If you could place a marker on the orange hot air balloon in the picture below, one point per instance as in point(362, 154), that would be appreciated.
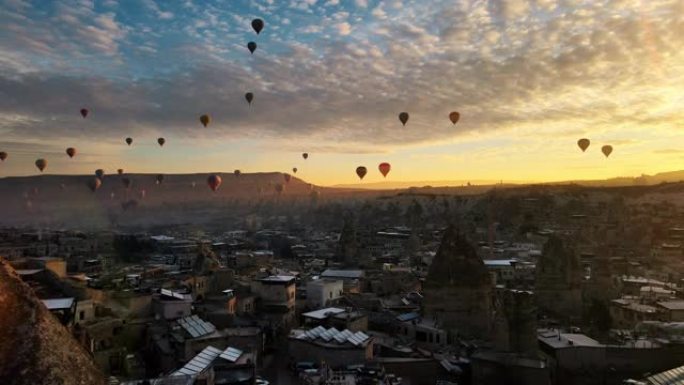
point(119, 171)
point(305, 155)
point(214, 181)
point(99, 173)
point(71, 152)
point(384, 168)
point(361, 172)
point(607, 150)
point(249, 96)
point(403, 117)
point(257, 25)
point(251, 46)
point(294, 170)
point(279, 188)
point(84, 112)
point(583, 144)
point(205, 120)
point(94, 184)
point(287, 177)
point(454, 117)
point(237, 173)
point(129, 141)
point(161, 141)
point(3, 155)
point(41, 164)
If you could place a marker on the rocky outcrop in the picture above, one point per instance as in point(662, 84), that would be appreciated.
point(34, 347)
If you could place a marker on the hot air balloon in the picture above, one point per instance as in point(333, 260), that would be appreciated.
point(71, 152)
point(129, 141)
point(384, 168)
point(294, 170)
point(41, 164)
point(361, 172)
point(119, 171)
point(126, 182)
point(161, 141)
point(99, 173)
point(3, 156)
point(287, 177)
point(160, 178)
point(237, 173)
point(305, 155)
point(205, 119)
point(94, 184)
point(279, 188)
point(214, 181)
point(583, 144)
point(257, 25)
point(403, 117)
point(84, 112)
point(454, 117)
point(607, 150)
point(251, 46)
point(249, 96)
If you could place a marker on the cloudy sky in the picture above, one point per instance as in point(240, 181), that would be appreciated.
point(330, 77)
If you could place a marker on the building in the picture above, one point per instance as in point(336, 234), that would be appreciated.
point(338, 318)
point(321, 292)
point(276, 292)
point(333, 347)
point(352, 279)
point(168, 304)
point(559, 276)
point(673, 311)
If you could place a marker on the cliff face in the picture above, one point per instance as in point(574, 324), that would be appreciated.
point(457, 264)
point(34, 347)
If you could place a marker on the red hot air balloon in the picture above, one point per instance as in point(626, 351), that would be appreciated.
point(361, 172)
point(257, 25)
point(129, 141)
point(403, 117)
point(84, 112)
point(41, 164)
point(384, 168)
point(607, 150)
point(305, 155)
point(454, 117)
point(71, 152)
point(251, 46)
point(205, 120)
point(214, 181)
point(161, 141)
point(3, 155)
point(583, 144)
point(249, 97)
point(94, 184)
point(287, 177)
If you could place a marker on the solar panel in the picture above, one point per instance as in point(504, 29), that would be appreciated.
point(231, 354)
point(199, 363)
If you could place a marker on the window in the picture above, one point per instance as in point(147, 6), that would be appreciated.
point(81, 315)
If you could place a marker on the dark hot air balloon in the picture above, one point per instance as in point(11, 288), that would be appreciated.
point(99, 173)
point(583, 144)
point(119, 171)
point(94, 184)
point(161, 141)
point(251, 46)
point(403, 117)
point(305, 155)
point(361, 172)
point(84, 112)
point(71, 152)
point(214, 181)
point(294, 170)
point(160, 178)
point(249, 97)
point(41, 164)
point(607, 150)
point(129, 141)
point(454, 117)
point(384, 168)
point(237, 173)
point(257, 25)
point(205, 119)
point(3, 155)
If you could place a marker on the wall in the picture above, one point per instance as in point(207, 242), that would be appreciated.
point(334, 357)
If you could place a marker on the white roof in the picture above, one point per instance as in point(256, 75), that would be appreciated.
point(174, 294)
point(58, 303)
point(278, 278)
point(333, 335)
point(672, 305)
point(196, 326)
point(323, 313)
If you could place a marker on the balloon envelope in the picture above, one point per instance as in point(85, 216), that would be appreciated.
point(84, 112)
point(161, 141)
point(384, 168)
point(41, 164)
point(249, 97)
point(257, 25)
point(294, 170)
point(237, 172)
point(129, 141)
point(160, 178)
point(607, 150)
point(3, 156)
point(120, 171)
point(251, 46)
point(71, 152)
point(361, 172)
point(454, 117)
point(403, 117)
point(205, 119)
point(305, 155)
point(99, 173)
point(214, 181)
point(583, 144)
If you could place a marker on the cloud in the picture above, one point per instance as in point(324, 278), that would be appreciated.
point(361, 3)
point(344, 28)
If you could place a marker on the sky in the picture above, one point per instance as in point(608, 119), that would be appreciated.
point(330, 77)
